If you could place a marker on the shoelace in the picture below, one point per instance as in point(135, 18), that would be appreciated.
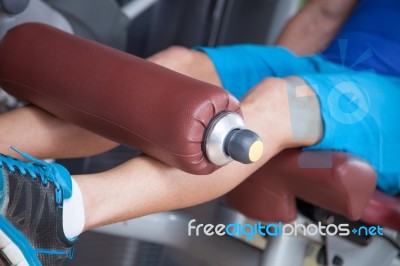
point(34, 167)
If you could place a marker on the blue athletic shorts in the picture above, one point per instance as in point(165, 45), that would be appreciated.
point(360, 109)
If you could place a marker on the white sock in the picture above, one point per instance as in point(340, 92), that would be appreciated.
point(73, 213)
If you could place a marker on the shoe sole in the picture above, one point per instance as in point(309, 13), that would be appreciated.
point(14, 247)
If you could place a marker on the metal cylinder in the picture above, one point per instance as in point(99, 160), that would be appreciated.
point(226, 139)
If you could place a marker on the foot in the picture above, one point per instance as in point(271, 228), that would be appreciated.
point(31, 204)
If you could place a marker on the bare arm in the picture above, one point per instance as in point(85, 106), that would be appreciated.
point(315, 25)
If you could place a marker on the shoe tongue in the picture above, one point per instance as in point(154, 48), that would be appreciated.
point(64, 180)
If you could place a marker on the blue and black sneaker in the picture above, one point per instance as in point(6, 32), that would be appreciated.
point(31, 202)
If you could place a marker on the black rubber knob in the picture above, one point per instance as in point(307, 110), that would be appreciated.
point(244, 146)
point(14, 7)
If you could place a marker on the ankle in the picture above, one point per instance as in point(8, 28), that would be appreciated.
point(91, 204)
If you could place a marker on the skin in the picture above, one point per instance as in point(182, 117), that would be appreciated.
point(142, 185)
point(313, 28)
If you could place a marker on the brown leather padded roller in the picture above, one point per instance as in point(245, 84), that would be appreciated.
point(112, 93)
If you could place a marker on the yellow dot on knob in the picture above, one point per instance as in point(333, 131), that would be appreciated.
point(256, 151)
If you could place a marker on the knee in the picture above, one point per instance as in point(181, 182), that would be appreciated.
point(273, 88)
point(178, 52)
point(177, 58)
point(289, 88)
point(272, 83)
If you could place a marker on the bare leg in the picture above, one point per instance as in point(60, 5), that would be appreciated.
point(192, 63)
point(143, 185)
point(46, 136)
